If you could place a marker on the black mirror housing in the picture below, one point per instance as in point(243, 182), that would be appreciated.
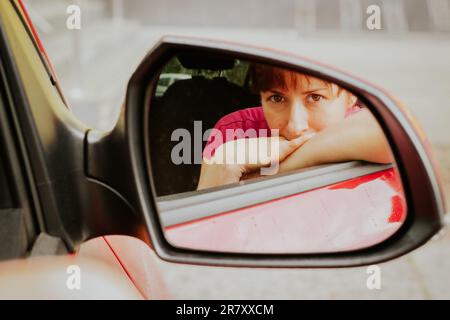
point(130, 174)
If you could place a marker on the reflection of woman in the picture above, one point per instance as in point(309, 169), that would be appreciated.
point(318, 122)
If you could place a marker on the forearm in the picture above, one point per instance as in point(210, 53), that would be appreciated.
point(214, 175)
point(356, 138)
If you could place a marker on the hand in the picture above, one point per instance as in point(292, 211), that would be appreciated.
point(236, 158)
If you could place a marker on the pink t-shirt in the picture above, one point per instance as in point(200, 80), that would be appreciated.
point(250, 120)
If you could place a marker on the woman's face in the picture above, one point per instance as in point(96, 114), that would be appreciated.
point(305, 104)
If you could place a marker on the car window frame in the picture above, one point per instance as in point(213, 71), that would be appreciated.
point(6, 199)
point(22, 215)
point(39, 47)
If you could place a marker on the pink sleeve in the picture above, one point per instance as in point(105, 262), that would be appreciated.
point(218, 136)
point(215, 140)
point(244, 119)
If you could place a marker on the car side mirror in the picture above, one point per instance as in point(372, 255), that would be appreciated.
point(321, 169)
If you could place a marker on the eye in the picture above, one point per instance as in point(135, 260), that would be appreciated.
point(276, 98)
point(314, 97)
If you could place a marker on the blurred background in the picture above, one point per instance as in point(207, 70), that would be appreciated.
point(409, 56)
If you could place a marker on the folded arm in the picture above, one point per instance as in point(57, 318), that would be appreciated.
point(358, 137)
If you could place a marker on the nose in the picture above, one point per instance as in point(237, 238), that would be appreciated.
point(297, 122)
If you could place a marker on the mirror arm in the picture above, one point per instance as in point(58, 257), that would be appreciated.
point(106, 165)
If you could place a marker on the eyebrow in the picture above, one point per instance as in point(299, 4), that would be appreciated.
point(306, 92)
point(276, 92)
point(316, 89)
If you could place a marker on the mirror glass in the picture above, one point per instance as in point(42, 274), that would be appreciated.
point(248, 157)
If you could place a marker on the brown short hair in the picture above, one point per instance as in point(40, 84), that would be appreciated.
point(264, 77)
